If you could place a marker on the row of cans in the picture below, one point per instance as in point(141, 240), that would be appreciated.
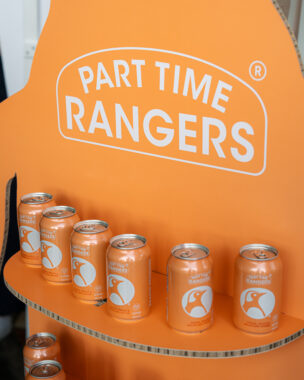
point(119, 269)
point(100, 266)
point(257, 288)
point(41, 356)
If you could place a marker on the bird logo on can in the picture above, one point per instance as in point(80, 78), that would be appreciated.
point(257, 303)
point(29, 239)
point(197, 302)
point(84, 272)
point(51, 255)
point(120, 290)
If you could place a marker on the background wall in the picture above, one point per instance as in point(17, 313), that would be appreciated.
point(21, 23)
point(292, 10)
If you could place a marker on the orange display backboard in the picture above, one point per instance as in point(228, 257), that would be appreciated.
point(177, 120)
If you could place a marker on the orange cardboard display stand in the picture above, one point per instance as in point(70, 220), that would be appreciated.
point(96, 346)
point(180, 121)
point(151, 334)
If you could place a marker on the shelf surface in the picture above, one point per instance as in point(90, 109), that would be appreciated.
point(151, 334)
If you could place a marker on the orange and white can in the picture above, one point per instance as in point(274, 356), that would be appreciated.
point(128, 277)
point(89, 243)
point(29, 214)
point(189, 287)
point(39, 347)
point(46, 369)
point(56, 227)
point(257, 289)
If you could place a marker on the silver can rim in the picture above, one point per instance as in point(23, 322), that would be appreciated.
point(265, 247)
point(88, 221)
point(44, 362)
point(190, 245)
point(65, 208)
point(38, 194)
point(40, 334)
point(128, 236)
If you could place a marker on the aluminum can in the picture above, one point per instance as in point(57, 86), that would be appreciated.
point(257, 289)
point(56, 227)
point(89, 243)
point(46, 369)
point(128, 277)
point(29, 214)
point(39, 347)
point(189, 288)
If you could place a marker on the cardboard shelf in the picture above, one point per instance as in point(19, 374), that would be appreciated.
point(151, 334)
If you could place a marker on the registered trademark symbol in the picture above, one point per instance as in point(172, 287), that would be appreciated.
point(257, 70)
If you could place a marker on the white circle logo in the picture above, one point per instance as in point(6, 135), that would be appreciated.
point(84, 272)
point(257, 303)
point(257, 70)
point(29, 239)
point(51, 255)
point(197, 302)
point(120, 290)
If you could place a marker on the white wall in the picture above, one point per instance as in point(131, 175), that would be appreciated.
point(11, 44)
point(301, 31)
point(21, 22)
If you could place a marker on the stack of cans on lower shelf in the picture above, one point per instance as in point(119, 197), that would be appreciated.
point(41, 355)
point(117, 270)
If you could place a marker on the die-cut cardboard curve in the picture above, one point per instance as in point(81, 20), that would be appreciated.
point(151, 335)
point(211, 170)
point(168, 105)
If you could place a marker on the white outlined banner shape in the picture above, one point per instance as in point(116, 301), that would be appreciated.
point(163, 104)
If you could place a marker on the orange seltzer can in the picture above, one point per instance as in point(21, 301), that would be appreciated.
point(89, 243)
point(29, 214)
point(257, 289)
point(46, 369)
point(128, 277)
point(189, 287)
point(39, 347)
point(56, 227)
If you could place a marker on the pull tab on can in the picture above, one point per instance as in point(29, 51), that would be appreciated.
point(190, 251)
point(260, 252)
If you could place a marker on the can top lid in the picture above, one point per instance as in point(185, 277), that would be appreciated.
point(45, 369)
point(40, 340)
point(92, 226)
point(190, 251)
point(59, 212)
point(36, 198)
point(128, 241)
point(258, 252)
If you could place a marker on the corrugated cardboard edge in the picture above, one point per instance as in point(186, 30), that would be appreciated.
point(291, 33)
point(6, 220)
point(154, 349)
